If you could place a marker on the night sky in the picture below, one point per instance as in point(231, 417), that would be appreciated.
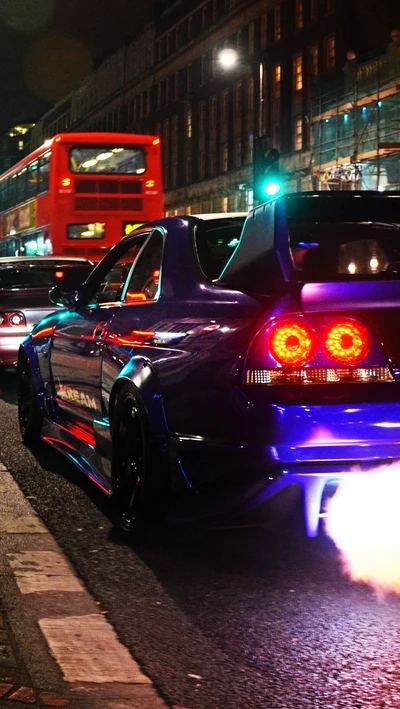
point(47, 47)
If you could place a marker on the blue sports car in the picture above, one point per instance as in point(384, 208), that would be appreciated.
point(227, 353)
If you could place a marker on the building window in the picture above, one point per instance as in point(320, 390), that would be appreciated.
point(215, 10)
point(203, 17)
point(298, 133)
point(213, 113)
point(189, 126)
point(203, 66)
point(250, 94)
point(202, 165)
point(277, 23)
point(20, 145)
point(168, 45)
point(251, 38)
point(189, 78)
point(264, 35)
point(224, 108)
point(174, 150)
point(313, 60)
point(297, 72)
point(238, 99)
point(176, 85)
point(188, 170)
point(202, 118)
point(275, 135)
point(214, 61)
point(313, 10)
point(167, 92)
point(330, 52)
point(238, 152)
point(330, 6)
point(225, 204)
point(276, 81)
point(158, 99)
point(299, 15)
point(224, 157)
point(176, 37)
point(190, 27)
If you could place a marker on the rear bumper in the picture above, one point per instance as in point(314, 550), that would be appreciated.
point(309, 446)
point(9, 345)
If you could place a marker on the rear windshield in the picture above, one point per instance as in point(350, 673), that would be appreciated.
point(42, 276)
point(345, 240)
point(216, 240)
point(107, 160)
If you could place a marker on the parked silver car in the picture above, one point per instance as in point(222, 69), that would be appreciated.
point(24, 286)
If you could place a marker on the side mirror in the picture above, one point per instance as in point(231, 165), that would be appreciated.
point(65, 297)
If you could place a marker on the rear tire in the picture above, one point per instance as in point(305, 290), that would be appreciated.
point(30, 417)
point(140, 487)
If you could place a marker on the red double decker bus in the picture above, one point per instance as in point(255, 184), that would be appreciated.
point(79, 193)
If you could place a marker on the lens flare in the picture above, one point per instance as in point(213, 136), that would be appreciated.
point(364, 522)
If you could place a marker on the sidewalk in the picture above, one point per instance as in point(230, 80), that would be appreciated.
point(57, 648)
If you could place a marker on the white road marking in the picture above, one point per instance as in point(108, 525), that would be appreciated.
point(16, 514)
point(21, 525)
point(85, 647)
point(88, 650)
point(43, 571)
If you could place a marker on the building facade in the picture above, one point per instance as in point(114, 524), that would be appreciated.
point(169, 81)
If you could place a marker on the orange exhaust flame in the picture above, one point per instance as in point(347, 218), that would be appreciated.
point(364, 522)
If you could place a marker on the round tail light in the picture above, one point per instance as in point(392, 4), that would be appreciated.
point(347, 342)
point(292, 343)
point(17, 319)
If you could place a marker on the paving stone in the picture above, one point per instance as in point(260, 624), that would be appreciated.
point(4, 688)
point(24, 694)
point(52, 699)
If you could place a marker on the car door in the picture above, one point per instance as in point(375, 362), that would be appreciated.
point(132, 326)
point(78, 340)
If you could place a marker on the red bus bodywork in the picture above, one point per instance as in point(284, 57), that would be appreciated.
point(50, 203)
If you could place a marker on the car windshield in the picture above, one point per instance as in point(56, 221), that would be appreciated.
point(344, 240)
point(41, 276)
point(216, 240)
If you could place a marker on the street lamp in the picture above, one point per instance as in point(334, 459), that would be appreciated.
point(266, 178)
point(229, 58)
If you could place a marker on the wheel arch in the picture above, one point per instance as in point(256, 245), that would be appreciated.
point(27, 350)
point(140, 374)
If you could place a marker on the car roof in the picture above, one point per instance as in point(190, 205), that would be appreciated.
point(219, 215)
point(45, 259)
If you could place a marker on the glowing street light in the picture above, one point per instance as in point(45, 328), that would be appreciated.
point(228, 58)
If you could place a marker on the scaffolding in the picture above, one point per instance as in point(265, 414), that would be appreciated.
point(356, 126)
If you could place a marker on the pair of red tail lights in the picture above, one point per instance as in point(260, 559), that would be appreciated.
point(332, 352)
point(294, 343)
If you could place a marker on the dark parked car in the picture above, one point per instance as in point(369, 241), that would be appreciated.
point(252, 358)
point(24, 287)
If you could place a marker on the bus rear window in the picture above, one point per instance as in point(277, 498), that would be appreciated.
point(95, 230)
point(104, 160)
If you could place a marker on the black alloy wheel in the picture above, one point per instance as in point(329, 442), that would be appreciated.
point(30, 417)
point(140, 479)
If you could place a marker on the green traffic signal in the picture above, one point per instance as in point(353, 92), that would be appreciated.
point(272, 188)
point(266, 178)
